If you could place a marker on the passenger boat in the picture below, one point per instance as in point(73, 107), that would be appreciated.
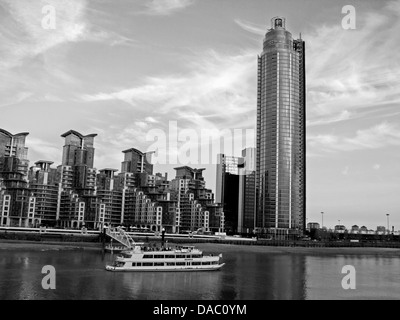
point(185, 258)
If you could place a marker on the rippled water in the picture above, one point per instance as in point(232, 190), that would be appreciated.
point(255, 275)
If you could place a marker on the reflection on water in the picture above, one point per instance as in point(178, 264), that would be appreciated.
point(247, 275)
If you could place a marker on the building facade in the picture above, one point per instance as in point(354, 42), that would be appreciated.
point(74, 195)
point(15, 201)
point(247, 192)
point(227, 189)
point(280, 163)
point(197, 210)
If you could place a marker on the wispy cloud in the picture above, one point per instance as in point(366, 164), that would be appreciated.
point(350, 71)
point(22, 34)
point(379, 136)
point(346, 171)
point(42, 149)
point(376, 166)
point(251, 27)
point(33, 58)
point(215, 83)
point(166, 7)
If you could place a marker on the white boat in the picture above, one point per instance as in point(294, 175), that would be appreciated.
point(186, 258)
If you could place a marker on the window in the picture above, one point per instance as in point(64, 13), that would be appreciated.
point(148, 256)
point(147, 264)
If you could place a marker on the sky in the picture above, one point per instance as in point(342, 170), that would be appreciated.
point(132, 71)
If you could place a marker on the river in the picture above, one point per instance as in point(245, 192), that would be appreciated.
point(250, 273)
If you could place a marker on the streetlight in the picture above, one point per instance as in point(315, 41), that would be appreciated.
point(322, 226)
point(388, 222)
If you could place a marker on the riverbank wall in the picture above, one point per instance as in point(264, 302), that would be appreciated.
point(97, 238)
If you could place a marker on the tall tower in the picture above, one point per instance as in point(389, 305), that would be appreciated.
point(280, 163)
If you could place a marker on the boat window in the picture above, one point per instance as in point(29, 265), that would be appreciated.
point(206, 263)
point(196, 263)
point(170, 263)
point(159, 256)
point(138, 264)
point(147, 264)
point(195, 256)
point(159, 264)
point(148, 256)
point(180, 263)
point(180, 256)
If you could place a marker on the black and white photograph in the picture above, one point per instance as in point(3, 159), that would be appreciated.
point(199, 155)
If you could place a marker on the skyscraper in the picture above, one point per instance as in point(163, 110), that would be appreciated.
point(227, 189)
point(280, 162)
point(247, 194)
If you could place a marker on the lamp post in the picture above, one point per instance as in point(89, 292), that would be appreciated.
point(387, 215)
point(322, 214)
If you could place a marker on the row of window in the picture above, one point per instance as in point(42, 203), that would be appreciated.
point(178, 256)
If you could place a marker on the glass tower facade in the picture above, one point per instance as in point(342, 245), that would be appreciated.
point(280, 178)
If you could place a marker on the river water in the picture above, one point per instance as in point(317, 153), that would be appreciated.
point(249, 274)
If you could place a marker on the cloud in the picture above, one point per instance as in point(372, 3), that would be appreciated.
point(346, 170)
point(151, 120)
point(343, 116)
point(376, 166)
point(17, 98)
point(379, 136)
point(251, 27)
point(141, 124)
point(22, 33)
point(215, 86)
point(34, 59)
point(166, 7)
point(350, 72)
point(41, 149)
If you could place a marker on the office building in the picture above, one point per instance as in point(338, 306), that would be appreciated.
point(227, 189)
point(247, 192)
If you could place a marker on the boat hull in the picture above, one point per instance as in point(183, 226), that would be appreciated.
point(163, 269)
